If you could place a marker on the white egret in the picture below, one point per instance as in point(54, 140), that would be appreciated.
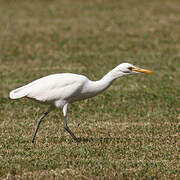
point(59, 90)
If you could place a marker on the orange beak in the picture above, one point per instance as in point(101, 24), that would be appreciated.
point(142, 70)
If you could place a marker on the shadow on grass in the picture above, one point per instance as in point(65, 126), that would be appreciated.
point(99, 140)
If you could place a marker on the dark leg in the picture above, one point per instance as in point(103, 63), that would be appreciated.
point(65, 124)
point(69, 131)
point(39, 122)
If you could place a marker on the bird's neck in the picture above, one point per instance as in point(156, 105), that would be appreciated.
point(104, 82)
point(111, 76)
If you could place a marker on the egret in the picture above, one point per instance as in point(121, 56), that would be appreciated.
point(60, 90)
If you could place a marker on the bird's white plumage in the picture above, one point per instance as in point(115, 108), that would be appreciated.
point(52, 88)
point(59, 90)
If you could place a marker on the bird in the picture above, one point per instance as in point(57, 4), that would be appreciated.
point(60, 90)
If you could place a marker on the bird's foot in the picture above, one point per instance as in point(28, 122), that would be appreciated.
point(78, 140)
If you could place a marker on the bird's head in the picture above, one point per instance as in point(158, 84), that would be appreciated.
point(127, 68)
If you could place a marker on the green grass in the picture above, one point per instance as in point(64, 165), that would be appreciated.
point(129, 131)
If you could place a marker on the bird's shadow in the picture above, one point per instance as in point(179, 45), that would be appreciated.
point(98, 140)
point(93, 140)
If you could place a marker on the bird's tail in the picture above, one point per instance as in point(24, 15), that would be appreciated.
point(19, 92)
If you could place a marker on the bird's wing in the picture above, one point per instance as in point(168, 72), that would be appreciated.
point(54, 87)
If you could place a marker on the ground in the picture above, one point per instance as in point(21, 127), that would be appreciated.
point(129, 131)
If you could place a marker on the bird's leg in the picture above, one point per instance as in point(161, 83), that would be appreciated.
point(69, 131)
point(66, 126)
point(39, 122)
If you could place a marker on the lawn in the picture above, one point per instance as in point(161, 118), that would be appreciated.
point(131, 130)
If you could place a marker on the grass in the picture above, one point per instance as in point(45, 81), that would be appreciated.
point(130, 131)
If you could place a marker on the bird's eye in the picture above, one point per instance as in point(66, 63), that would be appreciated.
point(130, 68)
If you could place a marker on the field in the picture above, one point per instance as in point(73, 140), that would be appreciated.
point(131, 130)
